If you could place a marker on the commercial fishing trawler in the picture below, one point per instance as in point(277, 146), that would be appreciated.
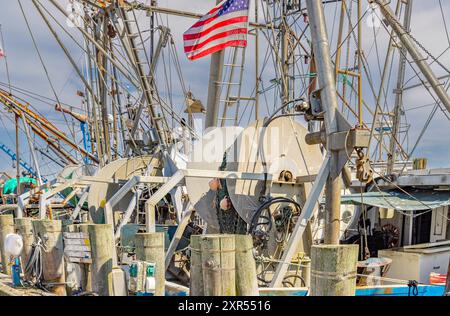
point(235, 147)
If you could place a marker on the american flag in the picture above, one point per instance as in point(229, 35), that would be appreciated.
point(2, 52)
point(224, 26)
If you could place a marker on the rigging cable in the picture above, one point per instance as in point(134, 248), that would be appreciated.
point(44, 67)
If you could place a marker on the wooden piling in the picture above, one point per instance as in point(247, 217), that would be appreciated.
point(246, 281)
point(102, 244)
point(6, 227)
point(50, 232)
point(196, 277)
point(333, 270)
point(150, 248)
point(24, 227)
point(218, 264)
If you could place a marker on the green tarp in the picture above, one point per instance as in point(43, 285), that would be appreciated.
point(10, 186)
point(415, 200)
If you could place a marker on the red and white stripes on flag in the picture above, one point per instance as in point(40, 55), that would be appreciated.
point(2, 52)
point(224, 26)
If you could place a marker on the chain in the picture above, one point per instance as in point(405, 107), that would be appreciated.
point(419, 44)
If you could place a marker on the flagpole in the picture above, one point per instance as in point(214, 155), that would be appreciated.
point(215, 76)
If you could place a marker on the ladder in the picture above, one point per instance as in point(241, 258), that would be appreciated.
point(388, 122)
point(140, 212)
point(23, 164)
point(133, 42)
point(231, 86)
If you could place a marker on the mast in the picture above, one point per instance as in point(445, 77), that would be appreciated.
point(284, 29)
point(399, 92)
point(91, 96)
point(326, 79)
point(101, 37)
point(215, 76)
point(17, 155)
point(153, 3)
point(256, 63)
point(360, 66)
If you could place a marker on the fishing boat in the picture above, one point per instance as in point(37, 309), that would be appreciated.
point(283, 121)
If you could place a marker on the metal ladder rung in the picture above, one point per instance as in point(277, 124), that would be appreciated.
point(236, 99)
point(229, 83)
point(242, 98)
point(233, 65)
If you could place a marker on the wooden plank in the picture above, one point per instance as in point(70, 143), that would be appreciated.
point(83, 242)
point(77, 248)
point(80, 260)
point(78, 254)
point(78, 235)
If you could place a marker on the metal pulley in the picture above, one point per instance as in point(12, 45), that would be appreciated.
point(286, 176)
point(364, 171)
point(315, 111)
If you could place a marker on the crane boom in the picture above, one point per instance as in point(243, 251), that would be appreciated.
point(42, 127)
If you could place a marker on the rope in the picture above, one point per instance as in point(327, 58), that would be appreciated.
point(336, 276)
point(380, 278)
point(34, 267)
point(72, 132)
point(412, 285)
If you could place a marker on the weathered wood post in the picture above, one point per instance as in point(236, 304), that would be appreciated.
point(102, 252)
point(50, 232)
point(218, 264)
point(150, 248)
point(24, 227)
point(196, 287)
point(333, 270)
point(246, 281)
point(6, 227)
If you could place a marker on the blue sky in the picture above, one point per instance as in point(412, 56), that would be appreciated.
point(27, 72)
